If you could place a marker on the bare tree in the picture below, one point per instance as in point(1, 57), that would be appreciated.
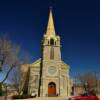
point(98, 87)
point(10, 59)
point(8, 55)
point(19, 78)
point(88, 81)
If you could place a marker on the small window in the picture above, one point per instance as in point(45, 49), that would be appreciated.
point(48, 42)
point(51, 41)
point(55, 43)
point(52, 53)
point(36, 80)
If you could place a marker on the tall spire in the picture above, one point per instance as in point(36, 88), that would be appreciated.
point(50, 28)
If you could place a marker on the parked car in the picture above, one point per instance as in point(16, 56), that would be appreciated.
point(84, 97)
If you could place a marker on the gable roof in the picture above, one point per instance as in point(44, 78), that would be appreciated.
point(65, 66)
point(36, 63)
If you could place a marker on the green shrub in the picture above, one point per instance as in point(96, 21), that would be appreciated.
point(21, 96)
point(0, 90)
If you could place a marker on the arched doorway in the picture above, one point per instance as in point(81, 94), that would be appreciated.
point(51, 89)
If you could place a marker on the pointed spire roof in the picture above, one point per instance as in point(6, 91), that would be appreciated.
point(50, 28)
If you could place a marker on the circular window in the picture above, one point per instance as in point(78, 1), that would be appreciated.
point(52, 70)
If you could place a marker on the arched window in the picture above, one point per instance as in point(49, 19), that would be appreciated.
point(51, 41)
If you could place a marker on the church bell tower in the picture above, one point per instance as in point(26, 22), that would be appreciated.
point(51, 42)
point(51, 60)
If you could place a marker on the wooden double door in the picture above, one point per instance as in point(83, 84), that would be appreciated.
point(51, 89)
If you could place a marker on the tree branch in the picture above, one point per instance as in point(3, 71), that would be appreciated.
point(8, 73)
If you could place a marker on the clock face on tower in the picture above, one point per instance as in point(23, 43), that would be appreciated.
point(52, 70)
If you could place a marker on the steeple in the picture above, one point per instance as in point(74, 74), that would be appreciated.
point(50, 28)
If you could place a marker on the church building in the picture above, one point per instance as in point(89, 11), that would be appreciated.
point(49, 75)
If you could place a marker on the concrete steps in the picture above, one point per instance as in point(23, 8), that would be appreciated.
point(46, 98)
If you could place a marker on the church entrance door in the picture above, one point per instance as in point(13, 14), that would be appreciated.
point(51, 89)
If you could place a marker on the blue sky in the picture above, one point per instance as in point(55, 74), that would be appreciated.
point(76, 21)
